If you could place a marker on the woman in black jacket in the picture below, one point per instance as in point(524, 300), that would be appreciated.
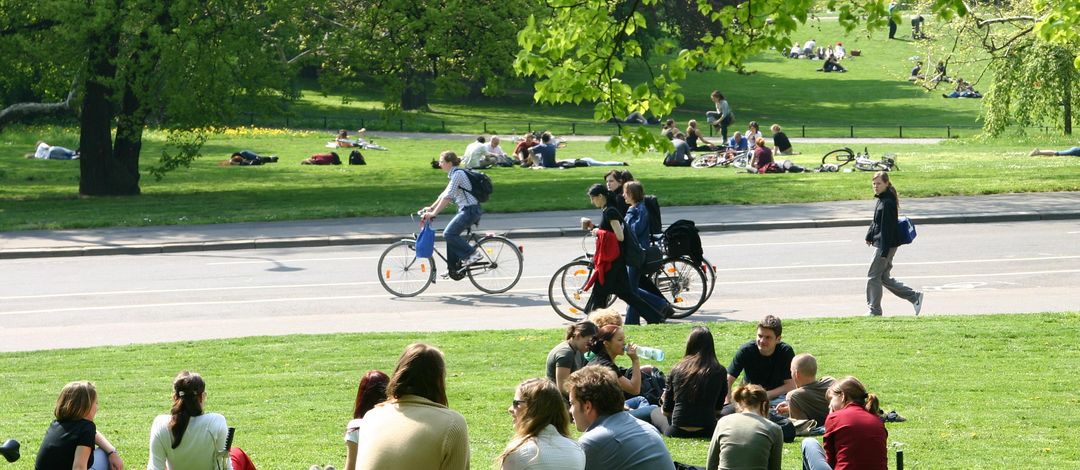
point(884, 234)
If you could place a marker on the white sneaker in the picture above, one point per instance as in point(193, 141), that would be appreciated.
point(918, 303)
point(476, 257)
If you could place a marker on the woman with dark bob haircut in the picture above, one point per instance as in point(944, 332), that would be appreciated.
point(415, 429)
point(371, 392)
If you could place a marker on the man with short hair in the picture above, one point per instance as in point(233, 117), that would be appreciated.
point(611, 438)
point(476, 155)
point(492, 149)
point(766, 360)
point(808, 400)
point(543, 155)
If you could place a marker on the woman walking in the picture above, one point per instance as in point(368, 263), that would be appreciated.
point(884, 234)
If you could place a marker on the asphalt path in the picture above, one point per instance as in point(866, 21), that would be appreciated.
point(111, 300)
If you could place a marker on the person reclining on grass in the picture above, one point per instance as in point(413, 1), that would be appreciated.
point(808, 400)
point(45, 151)
point(1072, 152)
point(611, 438)
point(247, 157)
point(963, 90)
point(331, 158)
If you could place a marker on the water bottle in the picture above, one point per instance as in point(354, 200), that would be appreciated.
point(650, 353)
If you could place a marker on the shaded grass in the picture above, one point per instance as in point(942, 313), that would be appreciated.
point(978, 392)
point(37, 194)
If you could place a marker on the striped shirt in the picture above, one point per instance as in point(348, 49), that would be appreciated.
point(458, 189)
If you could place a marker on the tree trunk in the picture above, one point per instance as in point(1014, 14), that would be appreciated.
point(414, 93)
point(1067, 99)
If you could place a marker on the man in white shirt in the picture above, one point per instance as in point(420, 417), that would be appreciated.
point(493, 149)
point(476, 155)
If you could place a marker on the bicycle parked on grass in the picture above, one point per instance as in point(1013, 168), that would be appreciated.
point(403, 274)
point(680, 281)
point(739, 159)
point(863, 162)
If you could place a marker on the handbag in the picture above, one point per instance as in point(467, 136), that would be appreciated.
point(425, 241)
point(907, 230)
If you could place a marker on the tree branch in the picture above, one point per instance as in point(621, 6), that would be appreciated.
point(36, 26)
point(19, 111)
point(983, 23)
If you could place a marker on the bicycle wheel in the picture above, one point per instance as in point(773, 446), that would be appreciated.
point(683, 284)
point(565, 292)
point(841, 157)
point(710, 274)
point(707, 160)
point(401, 273)
point(742, 160)
point(500, 269)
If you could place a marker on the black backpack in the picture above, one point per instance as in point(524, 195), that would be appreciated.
point(652, 206)
point(682, 239)
point(652, 386)
point(481, 185)
point(356, 158)
point(633, 254)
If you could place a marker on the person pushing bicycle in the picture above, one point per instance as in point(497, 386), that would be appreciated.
point(459, 253)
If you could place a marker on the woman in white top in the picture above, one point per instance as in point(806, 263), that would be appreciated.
point(187, 438)
point(371, 392)
point(541, 430)
point(753, 133)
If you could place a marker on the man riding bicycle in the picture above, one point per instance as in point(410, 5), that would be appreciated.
point(459, 253)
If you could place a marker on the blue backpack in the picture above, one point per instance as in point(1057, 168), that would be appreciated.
point(907, 230)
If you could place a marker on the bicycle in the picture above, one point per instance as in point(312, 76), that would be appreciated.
point(863, 161)
point(679, 280)
point(402, 274)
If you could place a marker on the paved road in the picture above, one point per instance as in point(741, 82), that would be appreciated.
point(87, 301)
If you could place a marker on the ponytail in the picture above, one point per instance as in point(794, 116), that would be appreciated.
point(872, 405)
point(188, 389)
point(855, 392)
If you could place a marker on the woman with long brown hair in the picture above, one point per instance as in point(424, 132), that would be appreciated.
point(415, 429)
point(370, 392)
point(188, 438)
point(696, 388)
point(541, 430)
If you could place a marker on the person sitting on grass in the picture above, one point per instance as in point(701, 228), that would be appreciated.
point(781, 143)
point(611, 438)
point(766, 360)
point(476, 155)
point(44, 151)
point(753, 133)
point(737, 143)
point(370, 392)
point(762, 162)
point(694, 135)
point(415, 429)
point(839, 51)
point(543, 155)
point(610, 343)
point(602, 317)
point(331, 158)
point(696, 388)
point(187, 437)
point(963, 90)
point(681, 155)
point(746, 439)
point(832, 65)
point(794, 52)
point(808, 400)
point(71, 438)
point(521, 150)
point(855, 437)
point(247, 157)
point(541, 430)
point(493, 149)
point(916, 72)
point(343, 139)
point(569, 355)
point(1071, 152)
point(669, 129)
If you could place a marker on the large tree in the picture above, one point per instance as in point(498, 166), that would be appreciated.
point(126, 64)
point(414, 49)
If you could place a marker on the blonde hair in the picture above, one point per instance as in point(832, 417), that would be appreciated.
point(541, 404)
point(75, 401)
point(602, 317)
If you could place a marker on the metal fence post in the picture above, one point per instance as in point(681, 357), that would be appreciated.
point(286, 121)
point(852, 134)
point(901, 132)
point(444, 126)
point(401, 125)
point(573, 128)
point(485, 127)
point(804, 130)
point(251, 119)
point(948, 132)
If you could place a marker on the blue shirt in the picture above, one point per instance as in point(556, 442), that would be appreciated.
point(637, 219)
point(741, 144)
point(546, 152)
point(623, 442)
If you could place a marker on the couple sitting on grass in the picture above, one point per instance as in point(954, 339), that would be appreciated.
point(542, 155)
point(186, 438)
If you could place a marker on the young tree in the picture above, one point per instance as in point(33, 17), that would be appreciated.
point(182, 64)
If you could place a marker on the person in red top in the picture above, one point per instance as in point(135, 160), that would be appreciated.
point(521, 151)
point(854, 434)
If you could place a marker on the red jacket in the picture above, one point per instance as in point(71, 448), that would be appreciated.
point(607, 251)
point(855, 439)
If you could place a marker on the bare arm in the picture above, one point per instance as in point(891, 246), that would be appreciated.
point(561, 374)
point(350, 456)
point(115, 462)
point(730, 380)
point(633, 384)
point(616, 227)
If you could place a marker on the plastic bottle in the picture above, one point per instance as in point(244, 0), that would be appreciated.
point(650, 353)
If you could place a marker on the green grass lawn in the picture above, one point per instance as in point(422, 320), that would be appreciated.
point(42, 194)
point(979, 392)
point(874, 96)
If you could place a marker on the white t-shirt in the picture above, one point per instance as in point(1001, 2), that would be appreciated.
point(201, 448)
point(474, 152)
point(42, 151)
point(352, 430)
point(548, 451)
point(752, 138)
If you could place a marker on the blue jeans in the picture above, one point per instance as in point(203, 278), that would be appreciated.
point(640, 408)
point(457, 248)
point(633, 317)
point(1073, 152)
point(813, 455)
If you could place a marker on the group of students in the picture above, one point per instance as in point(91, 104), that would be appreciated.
point(752, 140)
point(832, 55)
point(187, 438)
point(699, 401)
point(537, 151)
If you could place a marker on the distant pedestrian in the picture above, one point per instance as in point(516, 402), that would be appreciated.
point(892, 21)
point(722, 117)
point(884, 234)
